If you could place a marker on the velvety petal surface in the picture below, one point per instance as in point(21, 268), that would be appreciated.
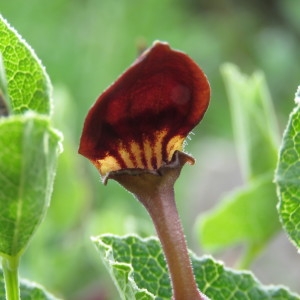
point(144, 117)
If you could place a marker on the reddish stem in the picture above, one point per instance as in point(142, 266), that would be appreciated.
point(162, 208)
point(155, 190)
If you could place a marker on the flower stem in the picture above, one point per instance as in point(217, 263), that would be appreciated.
point(155, 190)
point(162, 208)
point(10, 266)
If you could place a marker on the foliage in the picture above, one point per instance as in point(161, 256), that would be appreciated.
point(287, 176)
point(29, 149)
point(251, 209)
point(27, 164)
point(139, 271)
point(26, 82)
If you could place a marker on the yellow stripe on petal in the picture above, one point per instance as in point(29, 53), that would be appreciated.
point(175, 143)
point(108, 164)
point(148, 153)
point(137, 153)
point(126, 157)
point(158, 147)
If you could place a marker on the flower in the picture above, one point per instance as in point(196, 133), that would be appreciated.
point(143, 118)
point(135, 133)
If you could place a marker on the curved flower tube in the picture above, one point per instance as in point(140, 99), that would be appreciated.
point(135, 134)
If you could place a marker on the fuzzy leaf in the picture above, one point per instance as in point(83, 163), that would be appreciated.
point(29, 149)
point(28, 85)
point(139, 271)
point(288, 177)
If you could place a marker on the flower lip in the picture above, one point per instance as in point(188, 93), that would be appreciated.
point(179, 159)
point(144, 117)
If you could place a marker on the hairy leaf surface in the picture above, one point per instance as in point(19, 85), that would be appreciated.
point(29, 149)
point(24, 80)
point(139, 271)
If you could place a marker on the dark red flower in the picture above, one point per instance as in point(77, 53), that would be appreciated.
point(145, 116)
point(135, 134)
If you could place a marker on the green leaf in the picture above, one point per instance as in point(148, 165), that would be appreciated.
point(28, 85)
point(232, 221)
point(139, 271)
point(249, 214)
point(29, 290)
point(253, 120)
point(29, 149)
point(287, 176)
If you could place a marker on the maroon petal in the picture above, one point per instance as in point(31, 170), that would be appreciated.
point(144, 117)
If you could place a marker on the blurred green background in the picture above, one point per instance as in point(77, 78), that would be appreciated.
point(85, 45)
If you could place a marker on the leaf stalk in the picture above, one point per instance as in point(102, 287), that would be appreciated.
point(10, 266)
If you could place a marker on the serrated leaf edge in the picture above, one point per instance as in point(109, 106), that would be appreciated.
point(110, 260)
point(36, 58)
point(194, 257)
